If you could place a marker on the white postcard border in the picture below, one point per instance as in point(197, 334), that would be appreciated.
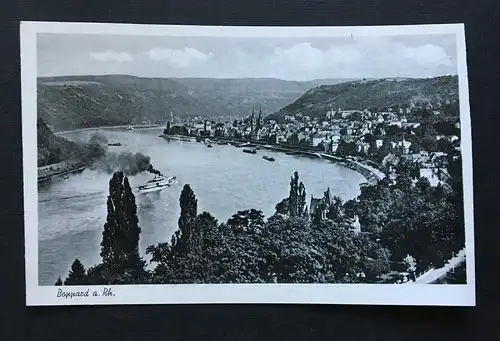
point(351, 294)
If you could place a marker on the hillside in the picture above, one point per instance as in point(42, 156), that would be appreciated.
point(86, 101)
point(54, 149)
point(382, 93)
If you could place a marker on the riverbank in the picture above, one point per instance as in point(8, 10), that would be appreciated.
point(46, 173)
point(140, 126)
point(371, 174)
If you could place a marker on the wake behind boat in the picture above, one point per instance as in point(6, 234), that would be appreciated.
point(157, 184)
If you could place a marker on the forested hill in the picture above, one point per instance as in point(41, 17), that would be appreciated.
point(368, 94)
point(54, 149)
point(87, 101)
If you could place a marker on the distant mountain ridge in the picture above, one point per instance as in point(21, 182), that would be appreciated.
point(72, 102)
point(366, 94)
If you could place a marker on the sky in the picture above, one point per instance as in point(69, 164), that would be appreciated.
point(299, 59)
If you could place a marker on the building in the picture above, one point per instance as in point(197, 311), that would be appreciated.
point(431, 174)
point(320, 205)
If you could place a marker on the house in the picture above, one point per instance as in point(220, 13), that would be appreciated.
point(320, 137)
point(364, 131)
point(355, 225)
point(333, 147)
point(396, 123)
point(362, 146)
point(390, 161)
point(404, 146)
point(431, 174)
point(281, 137)
point(347, 113)
point(379, 143)
point(336, 138)
point(320, 205)
point(301, 136)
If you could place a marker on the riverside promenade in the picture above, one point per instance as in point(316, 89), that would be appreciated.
point(372, 174)
point(58, 169)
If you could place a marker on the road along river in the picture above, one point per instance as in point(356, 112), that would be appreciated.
point(72, 211)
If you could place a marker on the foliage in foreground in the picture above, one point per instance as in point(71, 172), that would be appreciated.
point(400, 221)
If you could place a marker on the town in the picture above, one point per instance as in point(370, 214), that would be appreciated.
point(419, 135)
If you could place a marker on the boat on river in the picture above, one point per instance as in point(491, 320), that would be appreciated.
point(250, 151)
point(117, 144)
point(209, 146)
point(157, 184)
point(268, 158)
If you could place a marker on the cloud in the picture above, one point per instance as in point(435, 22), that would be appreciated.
point(365, 57)
point(285, 58)
point(305, 55)
point(113, 56)
point(427, 55)
point(179, 58)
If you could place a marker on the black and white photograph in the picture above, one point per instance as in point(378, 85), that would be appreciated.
point(191, 164)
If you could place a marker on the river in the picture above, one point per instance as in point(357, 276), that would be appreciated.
point(72, 211)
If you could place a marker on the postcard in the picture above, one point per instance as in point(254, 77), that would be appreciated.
point(200, 164)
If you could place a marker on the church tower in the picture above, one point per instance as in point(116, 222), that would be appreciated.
point(252, 120)
point(259, 119)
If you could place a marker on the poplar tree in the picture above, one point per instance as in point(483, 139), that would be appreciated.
point(293, 198)
point(301, 204)
point(189, 208)
point(76, 275)
point(120, 238)
point(297, 197)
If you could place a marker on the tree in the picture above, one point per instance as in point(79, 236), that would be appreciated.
point(133, 231)
point(166, 131)
point(293, 197)
point(235, 123)
point(120, 238)
point(283, 206)
point(76, 275)
point(423, 184)
point(429, 144)
point(203, 224)
point(301, 204)
point(445, 146)
point(59, 281)
point(346, 148)
point(335, 209)
point(411, 265)
point(189, 208)
point(247, 220)
point(297, 197)
point(369, 138)
point(109, 246)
